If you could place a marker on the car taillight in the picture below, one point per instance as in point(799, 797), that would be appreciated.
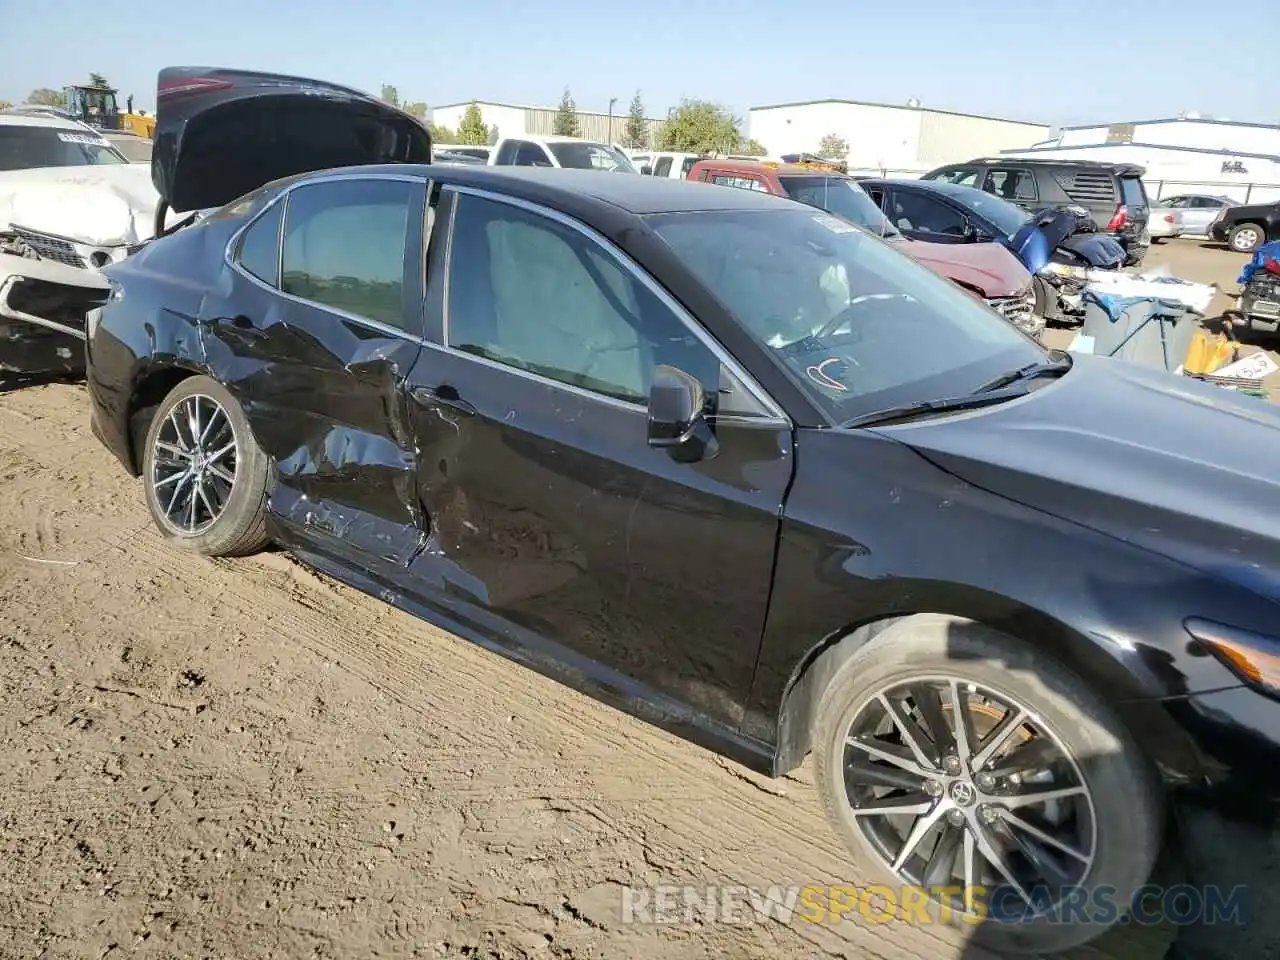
point(1168, 218)
point(1120, 220)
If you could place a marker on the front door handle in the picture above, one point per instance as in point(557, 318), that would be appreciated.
point(442, 396)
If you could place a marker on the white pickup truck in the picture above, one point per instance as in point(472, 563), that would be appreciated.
point(572, 152)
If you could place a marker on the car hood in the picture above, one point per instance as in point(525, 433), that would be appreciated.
point(104, 206)
point(222, 133)
point(986, 267)
point(1035, 243)
point(1175, 465)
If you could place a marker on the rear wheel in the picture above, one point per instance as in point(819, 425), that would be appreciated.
point(951, 756)
point(1245, 237)
point(205, 476)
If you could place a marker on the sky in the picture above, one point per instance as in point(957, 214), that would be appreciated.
point(1052, 61)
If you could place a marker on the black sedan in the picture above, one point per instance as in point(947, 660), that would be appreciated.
point(727, 462)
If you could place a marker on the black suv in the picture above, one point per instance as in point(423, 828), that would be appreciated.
point(1247, 227)
point(1112, 192)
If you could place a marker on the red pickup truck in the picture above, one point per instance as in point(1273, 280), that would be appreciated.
point(986, 270)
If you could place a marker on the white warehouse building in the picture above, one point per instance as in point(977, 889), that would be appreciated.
point(886, 139)
point(513, 120)
point(1187, 154)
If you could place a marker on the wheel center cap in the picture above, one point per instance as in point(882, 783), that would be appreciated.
point(963, 793)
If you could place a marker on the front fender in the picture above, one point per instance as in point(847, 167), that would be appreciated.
point(872, 532)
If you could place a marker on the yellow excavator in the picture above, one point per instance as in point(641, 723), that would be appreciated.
point(98, 107)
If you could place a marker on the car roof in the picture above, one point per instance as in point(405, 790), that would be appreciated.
point(38, 120)
point(1117, 167)
point(770, 166)
point(567, 189)
point(930, 186)
point(542, 138)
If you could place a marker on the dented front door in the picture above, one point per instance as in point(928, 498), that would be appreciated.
point(315, 338)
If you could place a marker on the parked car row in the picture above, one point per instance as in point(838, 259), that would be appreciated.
point(724, 460)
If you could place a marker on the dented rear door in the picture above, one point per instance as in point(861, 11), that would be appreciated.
point(319, 330)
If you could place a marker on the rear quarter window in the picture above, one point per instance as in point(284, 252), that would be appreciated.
point(1087, 186)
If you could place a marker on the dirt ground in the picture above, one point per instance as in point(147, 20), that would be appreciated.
point(240, 759)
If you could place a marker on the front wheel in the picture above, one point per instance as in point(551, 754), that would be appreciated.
point(957, 761)
point(205, 476)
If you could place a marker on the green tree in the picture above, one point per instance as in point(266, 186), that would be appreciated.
point(833, 147)
point(390, 95)
point(441, 134)
point(472, 129)
point(417, 109)
point(699, 126)
point(754, 148)
point(636, 133)
point(98, 80)
point(566, 123)
point(45, 97)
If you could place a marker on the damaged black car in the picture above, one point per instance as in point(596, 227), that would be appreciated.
point(724, 461)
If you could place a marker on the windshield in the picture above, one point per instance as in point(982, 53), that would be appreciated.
point(859, 325)
point(22, 148)
point(1007, 217)
point(840, 196)
point(590, 156)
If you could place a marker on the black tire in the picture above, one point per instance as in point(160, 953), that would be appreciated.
point(1127, 799)
point(240, 528)
point(1246, 237)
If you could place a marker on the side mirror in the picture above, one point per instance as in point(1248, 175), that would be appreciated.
point(646, 170)
point(677, 416)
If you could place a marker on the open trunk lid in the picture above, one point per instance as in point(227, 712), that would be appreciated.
point(221, 133)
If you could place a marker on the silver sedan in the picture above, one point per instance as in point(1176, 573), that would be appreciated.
point(1197, 210)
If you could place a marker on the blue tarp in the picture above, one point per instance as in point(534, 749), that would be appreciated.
point(1115, 305)
point(1268, 251)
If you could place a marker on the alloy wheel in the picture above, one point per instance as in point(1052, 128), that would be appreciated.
point(194, 461)
point(956, 785)
point(1246, 239)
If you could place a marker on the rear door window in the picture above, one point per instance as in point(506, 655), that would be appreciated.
point(1014, 185)
point(964, 176)
point(344, 246)
point(687, 166)
point(663, 167)
point(913, 212)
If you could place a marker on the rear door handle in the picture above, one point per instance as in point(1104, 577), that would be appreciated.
point(442, 396)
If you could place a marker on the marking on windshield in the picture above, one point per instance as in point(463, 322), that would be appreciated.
point(834, 224)
point(82, 138)
point(818, 374)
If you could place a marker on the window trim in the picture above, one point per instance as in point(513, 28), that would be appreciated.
point(228, 254)
point(775, 416)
